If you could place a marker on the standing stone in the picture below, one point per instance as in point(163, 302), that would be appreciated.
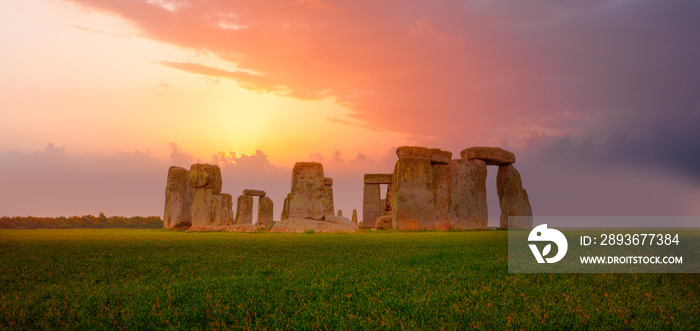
point(206, 181)
point(265, 213)
point(354, 216)
point(204, 204)
point(223, 209)
point(340, 212)
point(468, 193)
point(371, 204)
point(490, 155)
point(513, 198)
point(413, 206)
point(328, 197)
point(178, 199)
point(254, 193)
point(389, 200)
point(442, 178)
point(308, 191)
point(244, 210)
point(285, 207)
point(382, 206)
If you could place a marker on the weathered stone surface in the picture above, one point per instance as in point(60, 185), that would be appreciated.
point(301, 225)
point(371, 204)
point(203, 175)
point(340, 220)
point(438, 156)
point(442, 179)
point(354, 216)
point(361, 224)
point(513, 199)
point(468, 194)
point(378, 178)
point(413, 151)
point(382, 206)
point(490, 155)
point(254, 193)
point(247, 228)
point(340, 212)
point(413, 205)
point(265, 213)
point(328, 200)
point(285, 207)
point(389, 200)
point(327, 181)
point(178, 199)
point(244, 210)
point(308, 191)
point(223, 209)
point(203, 207)
point(383, 223)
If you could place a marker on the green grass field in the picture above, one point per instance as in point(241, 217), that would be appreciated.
point(136, 279)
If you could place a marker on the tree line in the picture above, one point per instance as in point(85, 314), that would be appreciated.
point(80, 222)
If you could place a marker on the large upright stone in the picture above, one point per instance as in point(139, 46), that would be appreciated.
point(371, 204)
point(244, 210)
point(204, 204)
point(178, 199)
point(206, 181)
point(203, 175)
point(308, 191)
point(223, 209)
point(468, 193)
point(285, 208)
point(389, 200)
point(265, 213)
point(328, 197)
point(442, 178)
point(354, 216)
point(490, 155)
point(513, 198)
point(413, 206)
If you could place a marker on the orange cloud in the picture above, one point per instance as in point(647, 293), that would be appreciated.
point(424, 68)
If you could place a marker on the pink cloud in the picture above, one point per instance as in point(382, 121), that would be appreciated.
point(425, 68)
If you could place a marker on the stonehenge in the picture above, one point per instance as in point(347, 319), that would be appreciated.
point(206, 181)
point(430, 190)
point(178, 199)
point(372, 206)
point(308, 208)
point(244, 210)
point(308, 193)
point(265, 213)
point(427, 190)
point(513, 199)
point(194, 202)
point(330, 208)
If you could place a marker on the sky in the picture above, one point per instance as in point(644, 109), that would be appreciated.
point(597, 99)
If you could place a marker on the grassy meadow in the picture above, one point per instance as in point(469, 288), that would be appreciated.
point(145, 279)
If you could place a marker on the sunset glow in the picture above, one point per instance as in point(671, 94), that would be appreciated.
point(258, 87)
